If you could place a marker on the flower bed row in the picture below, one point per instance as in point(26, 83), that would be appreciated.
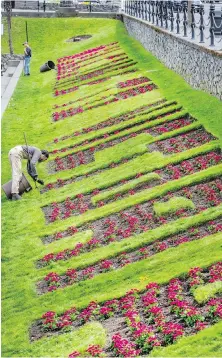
point(119, 71)
point(81, 203)
point(182, 142)
point(52, 281)
point(94, 74)
point(76, 71)
point(105, 100)
point(190, 166)
point(140, 218)
point(69, 69)
point(100, 80)
point(168, 110)
point(140, 81)
point(157, 316)
point(110, 121)
point(136, 82)
point(61, 182)
point(86, 156)
point(86, 53)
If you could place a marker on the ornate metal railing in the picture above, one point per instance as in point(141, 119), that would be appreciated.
point(175, 17)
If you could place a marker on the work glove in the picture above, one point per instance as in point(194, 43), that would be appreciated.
point(40, 181)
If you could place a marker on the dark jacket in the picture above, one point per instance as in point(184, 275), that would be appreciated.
point(33, 155)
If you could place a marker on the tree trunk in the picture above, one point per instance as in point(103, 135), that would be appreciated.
point(8, 9)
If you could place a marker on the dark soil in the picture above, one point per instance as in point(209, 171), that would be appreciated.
point(139, 218)
point(82, 203)
point(123, 259)
point(79, 38)
point(117, 323)
point(87, 156)
point(111, 121)
point(182, 142)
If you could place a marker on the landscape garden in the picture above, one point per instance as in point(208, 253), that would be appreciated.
point(119, 253)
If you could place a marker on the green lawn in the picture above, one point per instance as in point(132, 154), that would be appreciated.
point(23, 222)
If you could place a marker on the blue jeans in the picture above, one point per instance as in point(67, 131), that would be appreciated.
point(27, 65)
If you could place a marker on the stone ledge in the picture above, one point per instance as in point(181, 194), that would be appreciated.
point(174, 36)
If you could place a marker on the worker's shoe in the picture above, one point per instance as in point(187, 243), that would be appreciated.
point(16, 197)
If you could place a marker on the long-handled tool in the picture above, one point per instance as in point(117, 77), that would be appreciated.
point(29, 159)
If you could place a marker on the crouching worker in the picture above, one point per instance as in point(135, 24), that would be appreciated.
point(33, 155)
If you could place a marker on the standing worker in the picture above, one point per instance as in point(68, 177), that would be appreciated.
point(27, 58)
point(33, 155)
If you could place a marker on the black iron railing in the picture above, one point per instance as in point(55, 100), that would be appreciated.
point(175, 17)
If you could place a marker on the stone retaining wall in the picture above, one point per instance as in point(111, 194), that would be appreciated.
point(199, 66)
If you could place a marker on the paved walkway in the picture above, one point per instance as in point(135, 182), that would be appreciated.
point(9, 81)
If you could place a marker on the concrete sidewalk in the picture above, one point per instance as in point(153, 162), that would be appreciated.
point(9, 81)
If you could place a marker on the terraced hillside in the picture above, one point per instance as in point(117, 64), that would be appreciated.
point(118, 254)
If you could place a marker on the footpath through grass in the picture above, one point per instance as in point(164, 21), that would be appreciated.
point(136, 154)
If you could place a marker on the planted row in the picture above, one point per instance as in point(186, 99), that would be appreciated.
point(86, 156)
point(140, 218)
point(52, 281)
point(156, 317)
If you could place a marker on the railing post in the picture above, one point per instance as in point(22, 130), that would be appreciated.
point(212, 13)
point(153, 11)
point(161, 13)
point(202, 23)
point(157, 13)
point(185, 22)
point(178, 16)
point(141, 11)
point(165, 15)
point(149, 10)
point(145, 10)
point(171, 16)
point(138, 8)
point(192, 22)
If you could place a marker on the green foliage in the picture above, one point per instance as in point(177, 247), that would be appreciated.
point(172, 205)
point(206, 343)
point(203, 293)
point(124, 188)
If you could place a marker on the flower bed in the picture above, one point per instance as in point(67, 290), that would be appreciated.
point(87, 156)
point(60, 182)
point(93, 75)
point(81, 203)
point(190, 166)
point(110, 121)
point(133, 128)
point(69, 69)
point(105, 100)
point(140, 218)
point(87, 53)
point(182, 142)
point(95, 71)
point(68, 112)
point(99, 80)
point(157, 316)
point(52, 281)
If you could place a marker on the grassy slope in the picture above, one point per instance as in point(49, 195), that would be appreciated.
point(30, 110)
